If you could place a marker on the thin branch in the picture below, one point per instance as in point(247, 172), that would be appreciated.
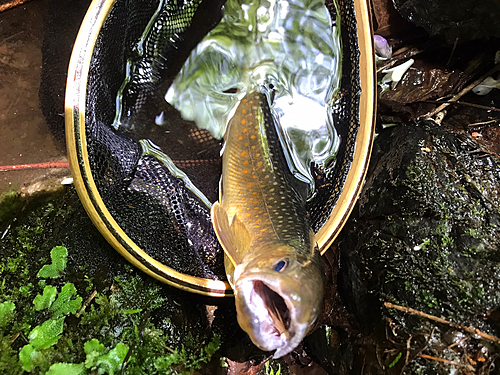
point(452, 52)
point(483, 122)
point(462, 92)
point(87, 302)
point(12, 4)
point(14, 338)
point(470, 329)
point(474, 105)
point(442, 360)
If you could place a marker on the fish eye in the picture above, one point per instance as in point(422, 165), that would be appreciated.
point(281, 265)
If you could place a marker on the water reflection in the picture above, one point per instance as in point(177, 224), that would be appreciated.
point(291, 50)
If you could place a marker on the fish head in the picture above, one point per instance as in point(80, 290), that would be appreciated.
point(278, 298)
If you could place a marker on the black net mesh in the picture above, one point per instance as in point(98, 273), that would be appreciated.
point(152, 39)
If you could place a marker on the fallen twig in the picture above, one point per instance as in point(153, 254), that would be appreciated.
point(462, 92)
point(458, 102)
point(452, 52)
point(482, 123)
point(87, 302)
point(441, 360)
point(458, 343)
point(14, 338)
point(471, 329)
point(12, 4)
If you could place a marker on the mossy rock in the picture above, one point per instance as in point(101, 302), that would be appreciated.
point(424, 235)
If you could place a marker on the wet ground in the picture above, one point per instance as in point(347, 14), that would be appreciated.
point(25, 137)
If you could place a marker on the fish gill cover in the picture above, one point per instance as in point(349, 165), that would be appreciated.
point(292, 49)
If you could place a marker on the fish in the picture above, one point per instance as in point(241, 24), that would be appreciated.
point(271, 257)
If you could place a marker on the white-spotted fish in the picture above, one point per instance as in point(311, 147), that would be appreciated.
point(272, 261)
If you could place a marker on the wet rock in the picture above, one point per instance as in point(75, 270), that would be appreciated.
point(424, 235)
point(464, 19)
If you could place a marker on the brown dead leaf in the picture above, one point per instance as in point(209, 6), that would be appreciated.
point(244, 368)
point(424, 82)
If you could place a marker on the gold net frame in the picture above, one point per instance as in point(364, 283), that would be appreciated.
point(75, 103)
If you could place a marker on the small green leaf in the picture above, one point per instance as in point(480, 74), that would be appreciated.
point(112, 362)
point(94, 350)
point(26, 356)
point(59, 256)
point(64, 304)
point(6, 313)
point(46, 335)
point(45, 300)
point(66, 369)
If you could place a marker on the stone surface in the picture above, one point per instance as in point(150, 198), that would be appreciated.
point(424, 235)
point(451, 19)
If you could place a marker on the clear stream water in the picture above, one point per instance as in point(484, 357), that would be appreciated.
point(292, 50)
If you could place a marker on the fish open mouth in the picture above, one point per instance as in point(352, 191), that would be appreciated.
point(270, 316)
point(275, 306)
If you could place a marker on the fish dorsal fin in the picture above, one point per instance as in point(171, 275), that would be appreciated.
point(226, 234)
point(241, 236)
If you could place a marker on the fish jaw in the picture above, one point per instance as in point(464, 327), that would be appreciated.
point(255, 292)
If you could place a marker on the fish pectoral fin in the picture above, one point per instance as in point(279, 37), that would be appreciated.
point(241, 236)
point(220, 222)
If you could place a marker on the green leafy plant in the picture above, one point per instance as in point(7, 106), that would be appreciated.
point(59, 256)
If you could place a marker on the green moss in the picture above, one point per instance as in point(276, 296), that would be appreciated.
point(6, 313)
point(187, 362)
point(9, 204)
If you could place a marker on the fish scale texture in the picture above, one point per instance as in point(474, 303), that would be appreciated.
point(154, 207)
point(263, 196)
